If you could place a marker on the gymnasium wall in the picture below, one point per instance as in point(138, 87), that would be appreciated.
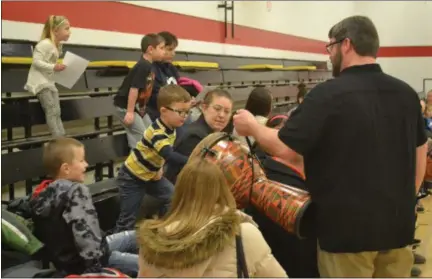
point(406, 27)
point(287, 29)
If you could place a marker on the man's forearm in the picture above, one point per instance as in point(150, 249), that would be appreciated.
point(133, 95)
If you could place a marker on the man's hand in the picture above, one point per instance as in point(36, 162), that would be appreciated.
point(244, 123)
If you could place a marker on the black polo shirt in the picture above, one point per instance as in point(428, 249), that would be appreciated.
point(141, 76)
point(193, 134)
point(358, 134)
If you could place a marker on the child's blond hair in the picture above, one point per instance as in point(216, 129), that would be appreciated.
point(58, 151)
point(51, 24)
point(172, 93)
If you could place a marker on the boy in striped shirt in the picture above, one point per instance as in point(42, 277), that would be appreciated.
point(142, 171)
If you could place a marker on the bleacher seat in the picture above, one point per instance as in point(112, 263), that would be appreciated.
point(210, 77)
point(13, 60)
point(261, 67)
point(299, 68)
point(27, 114)
point(195, 65)
point(16, 49)
point(99, 152)
point(112, 63)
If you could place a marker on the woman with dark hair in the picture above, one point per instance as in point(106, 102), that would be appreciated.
point(301, 94)
point(259, 103)
point(276, 122)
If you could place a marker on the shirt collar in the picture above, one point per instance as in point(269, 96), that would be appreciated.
point(164, 126)
point(367, 68)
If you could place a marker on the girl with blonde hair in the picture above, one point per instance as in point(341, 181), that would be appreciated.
point(40, 79)
point(200, 236)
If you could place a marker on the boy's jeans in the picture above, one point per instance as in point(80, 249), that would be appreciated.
point(135, 131)
point(124, 252)
point(132, 191)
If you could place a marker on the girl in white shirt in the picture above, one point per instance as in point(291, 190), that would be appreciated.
point(40, 79)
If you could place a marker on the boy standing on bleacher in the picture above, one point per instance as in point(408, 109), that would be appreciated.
point(65, 219)
point(142, 171)
point(135, 91)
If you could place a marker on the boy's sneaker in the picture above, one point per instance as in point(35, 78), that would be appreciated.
point(419, 259)
point(415, 271)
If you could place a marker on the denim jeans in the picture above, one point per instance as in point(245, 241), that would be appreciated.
point(124, 252)
point(132, 191)
point(135, 131)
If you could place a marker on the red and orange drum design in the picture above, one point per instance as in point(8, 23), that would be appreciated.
point(285, 205)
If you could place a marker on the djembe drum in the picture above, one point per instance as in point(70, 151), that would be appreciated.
point(288, 206)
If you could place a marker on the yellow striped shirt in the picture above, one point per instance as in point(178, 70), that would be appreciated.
point(145, 160)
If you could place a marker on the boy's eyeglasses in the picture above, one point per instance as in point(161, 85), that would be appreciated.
point(183, 113)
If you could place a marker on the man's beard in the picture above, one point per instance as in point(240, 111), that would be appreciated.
point(337, 63)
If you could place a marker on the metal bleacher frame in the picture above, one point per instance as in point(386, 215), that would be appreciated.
point(100, 81)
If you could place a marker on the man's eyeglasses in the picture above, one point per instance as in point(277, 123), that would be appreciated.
point(328, 46)
point(183, 113)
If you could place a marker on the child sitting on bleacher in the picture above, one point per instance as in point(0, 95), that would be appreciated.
point(136, 89)
point(142, 171)
point(40, 81)
point(66, 221)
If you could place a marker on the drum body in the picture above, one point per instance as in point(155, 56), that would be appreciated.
point(288, 206)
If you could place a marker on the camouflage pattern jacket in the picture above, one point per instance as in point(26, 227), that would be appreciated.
point(66, 221)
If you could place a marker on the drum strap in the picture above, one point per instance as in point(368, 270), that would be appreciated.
point(252, 157)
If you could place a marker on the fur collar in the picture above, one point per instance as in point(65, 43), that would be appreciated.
point(163, 252)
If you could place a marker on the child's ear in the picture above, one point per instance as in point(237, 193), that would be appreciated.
point(163, 109)
point(64, 168)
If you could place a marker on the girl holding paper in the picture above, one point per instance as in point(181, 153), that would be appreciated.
point(40, 79)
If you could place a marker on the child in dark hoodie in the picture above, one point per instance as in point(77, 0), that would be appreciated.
point(165, 73)
point(66, 221)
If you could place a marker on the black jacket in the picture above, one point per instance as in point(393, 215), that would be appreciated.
point(193, 134)
point(297, 257)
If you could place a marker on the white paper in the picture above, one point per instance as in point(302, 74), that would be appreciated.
point(75, 67)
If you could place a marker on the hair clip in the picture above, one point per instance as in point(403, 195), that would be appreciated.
point(207, 150)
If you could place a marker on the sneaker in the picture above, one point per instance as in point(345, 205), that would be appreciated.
point(415, 272)
point(419, 259)
point(416, 241)
point(420, 208)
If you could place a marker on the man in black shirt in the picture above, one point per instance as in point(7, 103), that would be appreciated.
point(136, 89)
point(362, 139)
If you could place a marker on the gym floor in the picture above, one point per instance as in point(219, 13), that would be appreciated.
point(424, 233)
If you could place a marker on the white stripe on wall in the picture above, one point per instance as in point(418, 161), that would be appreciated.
point(81, 36)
